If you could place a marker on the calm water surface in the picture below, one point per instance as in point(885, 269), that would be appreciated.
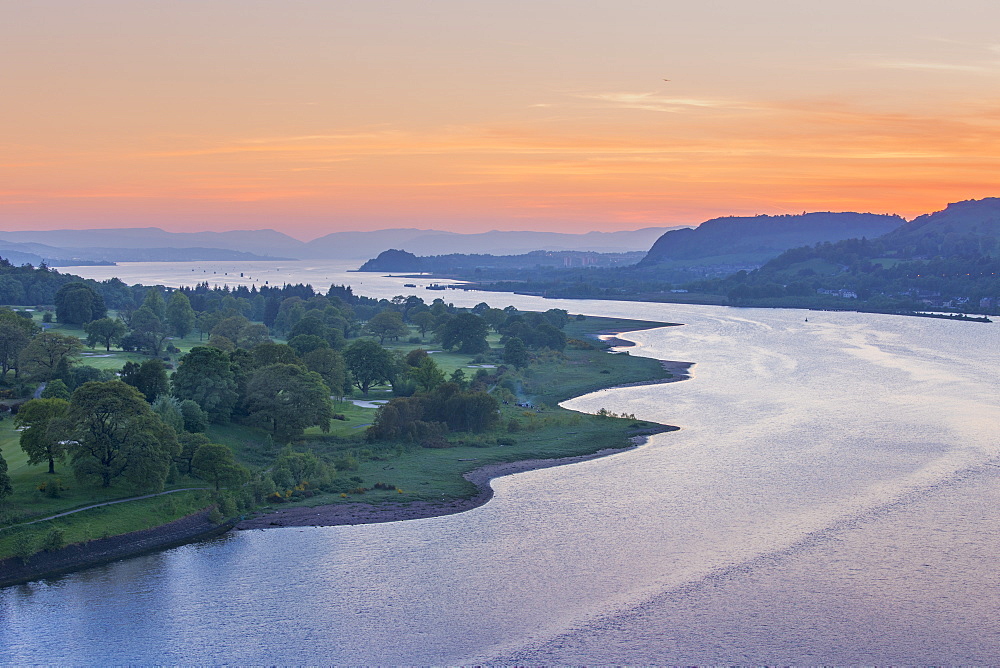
point(830, 498)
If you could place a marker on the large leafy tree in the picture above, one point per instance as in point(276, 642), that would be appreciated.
point(215, 463)
point(48, 352)
point(387, 325)
point(148, 330)
point(104, 331)
point(77, 303)
point(286, 399)
point(465, 332)
point(15, 334)
point(150, 378)
point(515, 353)
point(329, 364)
point(370, 364)
point(180, 315)
point(205, 376)
point(39, 421)
point(118, 436)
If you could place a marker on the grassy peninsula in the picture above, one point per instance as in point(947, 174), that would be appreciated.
point(348, 469)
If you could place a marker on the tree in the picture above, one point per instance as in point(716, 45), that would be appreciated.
point(387, 325)
point(329, 364)
point(472, 411)
point(155, 303)
point(56, 389)
point(44, 355)
point(466, 332)
point(206, 377)
point(195, 419)
point(78, 303)
point(306, 343)
point(242, 332)
point(515, 353)
point(40, 421)
point(370, 364)
point(189, 443)
point(6, 489)
point(148, 329)
point(169, 410)
point(215, 463)
point(286, 399)
point(180, 315)
point(424, 321)
point(15, 334)
point(206, 322)
point(106, 331)
point(266, 354)
point(150, 378)
point(118, 436)
point(427, 376)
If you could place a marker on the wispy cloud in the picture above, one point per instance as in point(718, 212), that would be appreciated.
point(939, 67)
point(652, 101)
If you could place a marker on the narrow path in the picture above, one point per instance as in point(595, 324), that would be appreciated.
point(38, 391)
point(106, 503)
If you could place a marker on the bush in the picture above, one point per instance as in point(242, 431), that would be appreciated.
point(414, 339)
point(24, 547)
point(435, 442)
point(506, 441)
point(346, 463)
point(54, 540)
point(384, 485)
point(513, 426)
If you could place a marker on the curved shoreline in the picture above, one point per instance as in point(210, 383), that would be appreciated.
point(349, 514)
point(196, 527)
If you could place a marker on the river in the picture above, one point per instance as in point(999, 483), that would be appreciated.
point(830, 498)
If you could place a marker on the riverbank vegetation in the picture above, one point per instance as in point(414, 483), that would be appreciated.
point(241, 400)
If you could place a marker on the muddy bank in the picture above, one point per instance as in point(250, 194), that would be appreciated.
point(92, 553)
point(366, 513)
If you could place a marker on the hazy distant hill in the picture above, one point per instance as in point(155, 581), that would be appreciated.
point(362, 245)
point(337, 245)
point(760, 238)
point(258, 242)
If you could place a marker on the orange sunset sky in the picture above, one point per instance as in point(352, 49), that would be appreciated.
point(316, 116)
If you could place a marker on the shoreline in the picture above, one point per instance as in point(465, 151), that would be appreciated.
point(350, 514)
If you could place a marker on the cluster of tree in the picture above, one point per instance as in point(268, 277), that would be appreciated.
point(111, 434)
point(431, 414)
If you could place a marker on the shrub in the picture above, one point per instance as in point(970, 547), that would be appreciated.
point(435, 442)
point(54, 540)
point(384, 485)
point(506, 441)
point(24, 547)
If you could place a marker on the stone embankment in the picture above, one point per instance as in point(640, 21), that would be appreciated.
point(102, 550)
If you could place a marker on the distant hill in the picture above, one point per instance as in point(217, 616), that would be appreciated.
point(962, 228)
point(361, 245)
point(393, 260)
point(337, 245)
point(760, 238)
